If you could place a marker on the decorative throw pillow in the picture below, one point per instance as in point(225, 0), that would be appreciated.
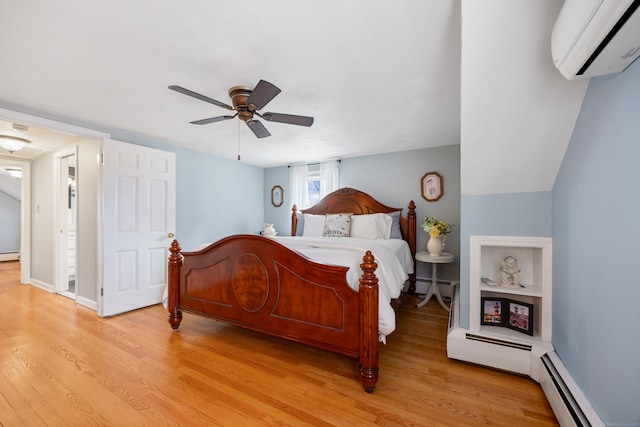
point(313, 225)
point(337, 225)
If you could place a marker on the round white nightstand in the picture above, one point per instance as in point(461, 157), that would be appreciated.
point(443, 258)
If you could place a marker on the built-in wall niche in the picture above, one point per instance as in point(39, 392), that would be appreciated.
point(533, 255)
point(494, 342)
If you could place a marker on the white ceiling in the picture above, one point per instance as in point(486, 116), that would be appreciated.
point(377, 76)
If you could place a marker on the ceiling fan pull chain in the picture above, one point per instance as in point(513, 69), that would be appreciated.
point(238, 140)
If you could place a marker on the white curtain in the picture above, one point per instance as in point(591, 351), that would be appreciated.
point(298, 176)
point(329, 178)
point(299, 182)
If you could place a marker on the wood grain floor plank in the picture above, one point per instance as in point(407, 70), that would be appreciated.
point(61, 364)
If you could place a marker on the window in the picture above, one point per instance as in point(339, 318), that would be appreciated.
point(310, 183)
point(313, 187)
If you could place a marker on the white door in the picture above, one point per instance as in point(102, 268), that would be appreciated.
point(137, 218)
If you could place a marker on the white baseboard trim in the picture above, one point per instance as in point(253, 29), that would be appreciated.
point(10, 256)
point(79, 300)
point(87, 303)
point(42, 285)
point(569, 404)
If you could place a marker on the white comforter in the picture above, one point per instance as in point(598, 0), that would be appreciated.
point(393, 257)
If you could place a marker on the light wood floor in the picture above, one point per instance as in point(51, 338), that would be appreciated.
point(60, 364)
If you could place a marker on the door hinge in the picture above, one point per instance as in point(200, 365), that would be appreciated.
point(102, 158)
point(101, 292)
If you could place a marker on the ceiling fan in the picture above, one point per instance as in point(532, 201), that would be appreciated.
point(246, 102)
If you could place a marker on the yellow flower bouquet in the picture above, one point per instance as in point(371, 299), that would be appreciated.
point(435, 227)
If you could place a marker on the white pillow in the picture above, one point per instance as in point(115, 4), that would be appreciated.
point(371, 226)
point(313, 225)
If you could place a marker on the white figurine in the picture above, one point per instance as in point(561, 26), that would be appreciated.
point(510, 273)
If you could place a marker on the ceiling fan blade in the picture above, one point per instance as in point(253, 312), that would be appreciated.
point(258, 129)
point(212, 120)
point(288, 118)
point(263, 93)
point(200, 97)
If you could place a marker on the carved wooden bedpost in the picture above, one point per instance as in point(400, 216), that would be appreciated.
point(368, 345)
point(294, 220)
point(175, 262)
point(411, 217)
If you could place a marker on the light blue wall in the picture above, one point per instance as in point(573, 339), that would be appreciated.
point(596, 230)
point(279, 216)
point(9, 222)
point(215, 197)
point(393, 179)
point(511, 214)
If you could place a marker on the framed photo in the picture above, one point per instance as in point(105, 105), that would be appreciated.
point(431, 185)
point(520, 317)
point(492, 311)
point(277, 196)
point(507, 313)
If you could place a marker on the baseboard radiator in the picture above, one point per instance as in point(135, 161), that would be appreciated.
point(568, 402)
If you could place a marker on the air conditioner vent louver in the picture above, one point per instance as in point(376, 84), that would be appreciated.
point(593, 38)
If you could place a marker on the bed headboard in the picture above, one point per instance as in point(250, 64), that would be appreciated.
point(358, 202)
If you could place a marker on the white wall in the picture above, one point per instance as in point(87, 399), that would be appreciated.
point(87, 232)
point(517, 111)
point(43, 221)
point(42, 224)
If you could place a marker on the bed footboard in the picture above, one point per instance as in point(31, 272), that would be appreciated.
point(259, 284)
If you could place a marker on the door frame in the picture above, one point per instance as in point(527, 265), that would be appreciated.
point(59, 237)
point(26, 215)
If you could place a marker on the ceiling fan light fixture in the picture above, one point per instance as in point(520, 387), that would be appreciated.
point(13, 143)
point(246, 102)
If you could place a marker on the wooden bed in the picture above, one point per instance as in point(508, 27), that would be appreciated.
point(259, 284)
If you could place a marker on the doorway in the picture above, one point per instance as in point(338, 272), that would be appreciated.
point(25, 212)
point(10, 208)
point(37, 244)
point(67, 196)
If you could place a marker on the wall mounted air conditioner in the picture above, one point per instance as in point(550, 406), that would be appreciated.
point(595, 37)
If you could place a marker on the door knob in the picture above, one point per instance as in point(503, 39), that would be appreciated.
point(171, 235)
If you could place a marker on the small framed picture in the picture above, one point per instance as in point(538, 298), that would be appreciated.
point(520, 317)
point(431, 185)
point(276, 196)
point(492, 313)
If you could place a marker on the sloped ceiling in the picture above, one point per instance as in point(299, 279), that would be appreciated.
point(377, 76)
point(518, 112)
